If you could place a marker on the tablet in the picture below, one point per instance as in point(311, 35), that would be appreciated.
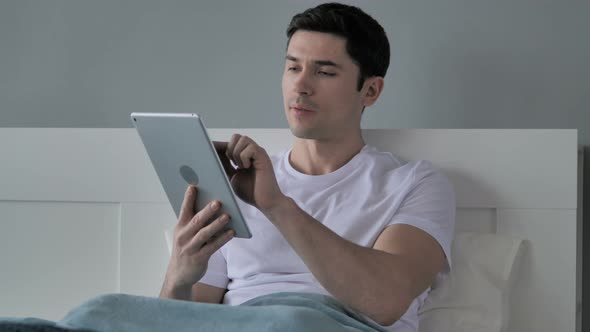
point(182, 154)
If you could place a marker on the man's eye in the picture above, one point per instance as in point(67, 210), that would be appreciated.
point(291, 68)
point(326, 73)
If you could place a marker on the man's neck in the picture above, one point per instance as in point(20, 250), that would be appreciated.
point(318, 157)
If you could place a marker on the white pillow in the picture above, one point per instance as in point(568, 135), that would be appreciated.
point(474, 297)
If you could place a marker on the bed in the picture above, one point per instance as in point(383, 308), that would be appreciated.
point(82, 213)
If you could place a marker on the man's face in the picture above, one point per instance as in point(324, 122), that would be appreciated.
point(320, 87)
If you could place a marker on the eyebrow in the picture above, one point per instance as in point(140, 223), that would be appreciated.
point(316, 62)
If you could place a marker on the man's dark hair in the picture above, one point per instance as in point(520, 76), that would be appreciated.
point(366, 41)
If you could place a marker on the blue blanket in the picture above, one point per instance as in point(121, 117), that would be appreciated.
point(274, 312)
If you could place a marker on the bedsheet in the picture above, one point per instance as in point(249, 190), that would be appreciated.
point(273, 312)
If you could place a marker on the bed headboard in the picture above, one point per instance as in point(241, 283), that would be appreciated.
point(82, 212)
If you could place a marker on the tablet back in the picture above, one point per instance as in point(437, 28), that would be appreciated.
point(182, 154)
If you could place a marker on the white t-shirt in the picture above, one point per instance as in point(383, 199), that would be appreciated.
point(357, 201)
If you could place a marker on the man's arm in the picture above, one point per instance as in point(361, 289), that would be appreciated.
point(207, 294)
point(380, 282)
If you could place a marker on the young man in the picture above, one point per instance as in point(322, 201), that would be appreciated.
point(331, 215)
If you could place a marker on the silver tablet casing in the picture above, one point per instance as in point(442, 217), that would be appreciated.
point(182, 153)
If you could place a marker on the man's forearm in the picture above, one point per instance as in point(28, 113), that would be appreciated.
point(363, 278)
point(175, 292)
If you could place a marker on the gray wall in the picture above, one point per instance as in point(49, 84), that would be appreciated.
point(455, 64)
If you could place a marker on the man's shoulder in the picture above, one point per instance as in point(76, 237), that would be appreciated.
point(409, 172)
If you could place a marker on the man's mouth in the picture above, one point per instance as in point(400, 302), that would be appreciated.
point(301, 108)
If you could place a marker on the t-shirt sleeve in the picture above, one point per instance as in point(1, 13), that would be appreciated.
point(216, 274)
point(429, 205)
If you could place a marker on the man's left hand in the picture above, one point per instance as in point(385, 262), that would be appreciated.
point(254, 179)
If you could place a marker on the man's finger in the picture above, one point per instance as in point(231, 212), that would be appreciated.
point(220, 148)
point(199, 221)
point(187, 209)
point(247, 155)
point(215, 243)
point(231, 146)
point(206, 233)
point(237, 151)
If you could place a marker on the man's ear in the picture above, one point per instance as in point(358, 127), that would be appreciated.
point(372, 89)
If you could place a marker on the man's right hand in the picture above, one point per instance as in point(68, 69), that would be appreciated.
point(196, 237)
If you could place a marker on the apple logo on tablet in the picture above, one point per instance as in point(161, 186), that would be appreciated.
point(189, 175)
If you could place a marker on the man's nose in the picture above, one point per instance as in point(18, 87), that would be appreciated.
point(302, 84)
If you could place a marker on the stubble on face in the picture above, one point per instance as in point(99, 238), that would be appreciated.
point(302, 131)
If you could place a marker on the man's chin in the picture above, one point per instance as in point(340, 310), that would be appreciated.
point(304, 133)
